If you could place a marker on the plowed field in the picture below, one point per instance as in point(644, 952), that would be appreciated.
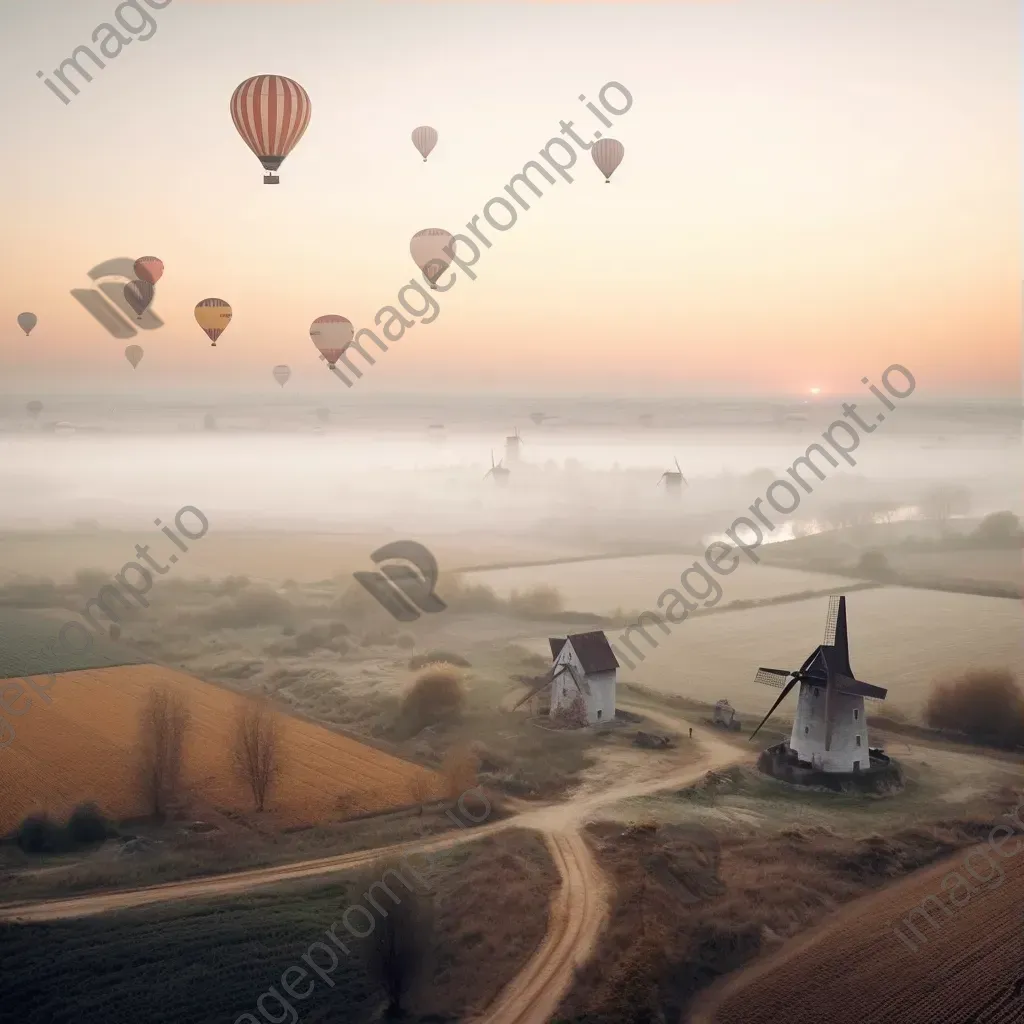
point(968, 970)
point(81, 747)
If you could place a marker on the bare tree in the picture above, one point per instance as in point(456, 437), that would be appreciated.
point(163, 723)
point(421, 788)
point(256, 748)
point(398, 950)
point(459, 769)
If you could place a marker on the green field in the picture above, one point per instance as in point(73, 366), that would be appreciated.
point(24, 637)
point(635, 583)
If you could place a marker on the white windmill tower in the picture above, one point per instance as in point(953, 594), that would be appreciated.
point(512, 446)
point(673, 481)
point(498, 471)
point(829, 730)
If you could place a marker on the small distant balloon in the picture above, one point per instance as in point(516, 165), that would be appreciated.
point(331, 334)
point(34, 408)
point(607, 154)
point(26, 321)
point(138, 295)
point(134, 353)
point(282, 373)
point(149, 268)
point(428, 252)
point(213, 316)
point(323, 415)
point(424, 139)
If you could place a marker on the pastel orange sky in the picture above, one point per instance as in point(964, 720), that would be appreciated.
point(810, 192)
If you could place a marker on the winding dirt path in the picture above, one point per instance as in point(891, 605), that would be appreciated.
point(578, 908)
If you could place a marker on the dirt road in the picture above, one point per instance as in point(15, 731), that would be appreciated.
point(578, 908)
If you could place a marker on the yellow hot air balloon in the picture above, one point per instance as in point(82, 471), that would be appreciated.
point(213, 315)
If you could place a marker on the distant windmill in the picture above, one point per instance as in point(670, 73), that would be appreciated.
point(829, 730)
point(674, 482)
point(498, 471)
point(512, 445)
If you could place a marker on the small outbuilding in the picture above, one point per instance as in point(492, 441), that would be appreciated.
point(583, 664)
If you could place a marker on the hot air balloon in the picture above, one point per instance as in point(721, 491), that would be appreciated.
point(271, 113)
point(424, 139)
point(138, 295)
point(607, 155)
point(282, 373)
point(34, 408)
point(427, 248)
point(331, 334)
point(213, 315)
point(134, 353)
point(149, 268)
point(26, 321)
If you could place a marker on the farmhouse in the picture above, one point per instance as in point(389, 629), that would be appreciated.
point(583, 664)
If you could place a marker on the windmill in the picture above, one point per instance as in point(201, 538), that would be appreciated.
point(498, 471)
point(829, 730)
point(674, 482)
point(512, 444)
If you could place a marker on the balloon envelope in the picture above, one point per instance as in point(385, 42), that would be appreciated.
point(331, 334)
point(424, 139)
point(427, 248)
point(138, 295)
point(149, 268)
point(26, 321)
point(133, 353)
point(607, 155)
point(34, 408)
point(213, 315)
point(271, 113)
point(282, 373)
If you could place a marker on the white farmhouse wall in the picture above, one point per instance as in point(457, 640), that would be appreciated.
point(807, 739)
point(601, 705)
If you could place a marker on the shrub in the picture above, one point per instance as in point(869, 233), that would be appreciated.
point(87, 824)
point(538, 602)
point(39, 833)
point(417, 661)
point(874, 563)
point(253, 606)
point(571, 716)
point(986, 705)
point(436, 694)
point(406, 641)
point(459, 769)
point(997, 529)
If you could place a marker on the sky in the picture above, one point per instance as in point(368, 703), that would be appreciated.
point(811, 191)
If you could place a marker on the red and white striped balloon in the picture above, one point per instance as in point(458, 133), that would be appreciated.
point(331, 334)
point(271, 113)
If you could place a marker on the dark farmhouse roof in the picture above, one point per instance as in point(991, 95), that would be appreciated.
point(593, 650)
point(556, 644)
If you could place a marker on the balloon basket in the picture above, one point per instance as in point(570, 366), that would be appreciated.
point(271, 179)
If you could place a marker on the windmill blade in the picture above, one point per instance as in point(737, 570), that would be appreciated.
point(782, 697)
point(547, 680)
point(680, 468)
point(830, 621)
point(775, 677)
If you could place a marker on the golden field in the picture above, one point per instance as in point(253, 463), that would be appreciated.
point(80, 747)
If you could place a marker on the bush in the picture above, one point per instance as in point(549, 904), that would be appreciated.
point(986, 705)
point(253, 606)
point(540, 602)
point(999, 528)
point(436, 694)
point(406, 641)
point(39, 833)
point(87, 824)
point(874, 563)
point(417, 661)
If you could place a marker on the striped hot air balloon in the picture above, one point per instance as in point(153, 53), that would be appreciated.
point(331, 334)
point(271, 114)
point(607, 154)
point(213, 315)
point(424, 139)
point(149, 268)
point(428, 251)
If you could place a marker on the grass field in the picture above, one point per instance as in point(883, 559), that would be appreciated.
point(992, 566)
point(901, 639)
point(209, 962)
point(969, 968)
point(80, 747)
point(635, 583)
point(24, 636)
